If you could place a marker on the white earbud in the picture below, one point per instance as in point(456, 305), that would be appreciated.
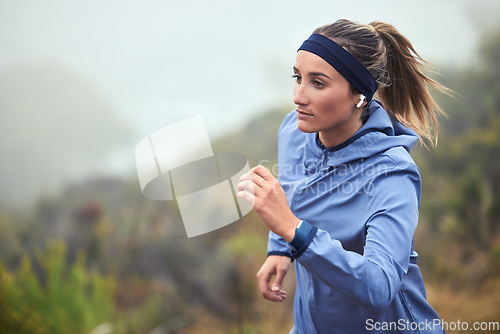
point(362, 99)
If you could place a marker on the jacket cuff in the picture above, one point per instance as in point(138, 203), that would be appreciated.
point(287, 254)
point(302, 239)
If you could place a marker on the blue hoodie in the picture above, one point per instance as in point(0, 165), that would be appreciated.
point(356, 271)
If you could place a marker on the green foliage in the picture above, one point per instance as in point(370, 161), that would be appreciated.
point(16, 317)
point(468, 155)
point(72, 300)
point(460, 225)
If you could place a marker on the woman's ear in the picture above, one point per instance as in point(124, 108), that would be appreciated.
point(361, 102)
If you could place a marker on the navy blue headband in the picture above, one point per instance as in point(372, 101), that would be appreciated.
point(345, 63)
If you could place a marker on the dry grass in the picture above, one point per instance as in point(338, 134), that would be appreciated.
point(466, 304)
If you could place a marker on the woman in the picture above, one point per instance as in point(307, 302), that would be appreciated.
point(346, 204)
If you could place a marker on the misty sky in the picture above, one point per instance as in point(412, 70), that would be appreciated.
point(141, 65)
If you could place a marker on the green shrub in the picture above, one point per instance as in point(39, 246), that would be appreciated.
point(71, 299)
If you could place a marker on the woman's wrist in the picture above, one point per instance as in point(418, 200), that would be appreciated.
point(289, 233)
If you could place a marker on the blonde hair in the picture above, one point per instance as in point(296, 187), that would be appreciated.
point(398, 70)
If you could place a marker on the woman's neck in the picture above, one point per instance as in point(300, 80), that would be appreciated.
point(338, 135)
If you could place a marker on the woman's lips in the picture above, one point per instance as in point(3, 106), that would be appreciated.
point(303, 114)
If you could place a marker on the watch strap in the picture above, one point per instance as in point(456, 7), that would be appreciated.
point(302, 233)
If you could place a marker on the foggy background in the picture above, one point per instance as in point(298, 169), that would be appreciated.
point(81, 82)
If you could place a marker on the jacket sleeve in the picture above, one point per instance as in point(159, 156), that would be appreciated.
point(371, 279)
point(276, 245)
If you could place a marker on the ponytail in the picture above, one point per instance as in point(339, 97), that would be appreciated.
point(398, 70)
point(405, 95)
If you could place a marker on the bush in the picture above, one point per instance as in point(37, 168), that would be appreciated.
point(71, 300)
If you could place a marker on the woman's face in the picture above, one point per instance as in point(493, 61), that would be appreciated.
point(324, 100)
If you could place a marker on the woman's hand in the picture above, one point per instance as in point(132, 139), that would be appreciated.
point(275, 265)
point(261, 189)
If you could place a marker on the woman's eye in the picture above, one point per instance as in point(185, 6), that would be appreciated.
point(318, 84)
point(297, 78)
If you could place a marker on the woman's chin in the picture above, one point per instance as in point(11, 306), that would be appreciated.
point(306, 127)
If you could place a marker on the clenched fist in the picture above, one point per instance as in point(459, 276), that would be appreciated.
point(262, 190)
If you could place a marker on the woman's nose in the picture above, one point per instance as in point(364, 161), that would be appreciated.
point(299, 95)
